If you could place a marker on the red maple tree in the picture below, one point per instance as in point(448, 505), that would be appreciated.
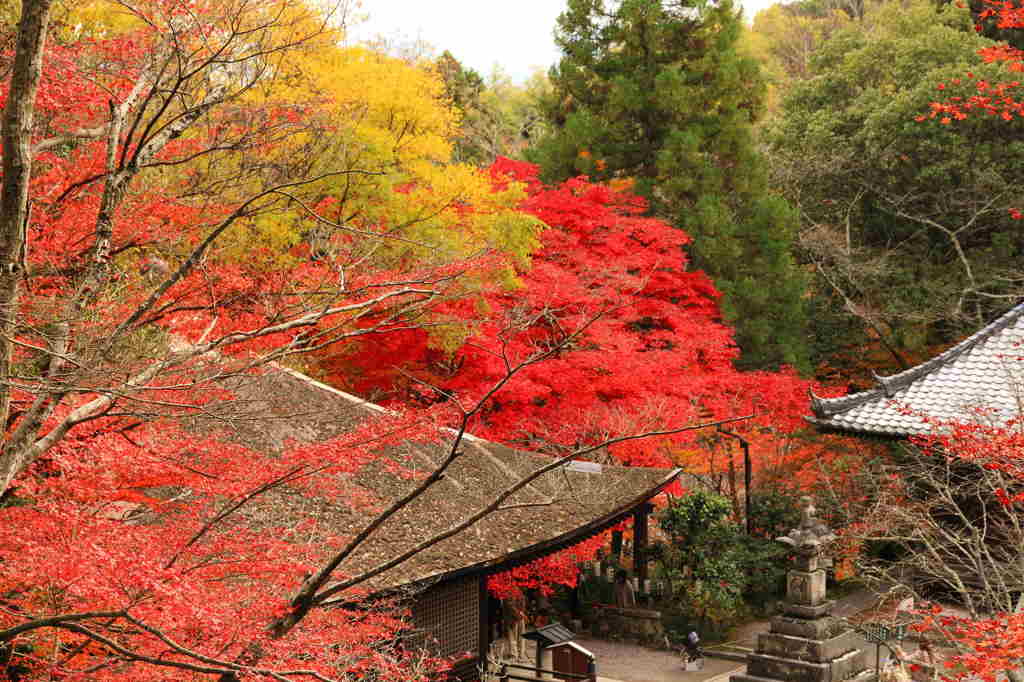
point(133, 161)
point(648, 344)
point(644, 346)
point(130, 158)
point(973, 473)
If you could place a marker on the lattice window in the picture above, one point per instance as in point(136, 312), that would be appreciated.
point(449, 616)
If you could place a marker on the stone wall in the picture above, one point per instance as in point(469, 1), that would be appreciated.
point(642, 626)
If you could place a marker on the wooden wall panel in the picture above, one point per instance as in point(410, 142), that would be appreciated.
point(448, 615)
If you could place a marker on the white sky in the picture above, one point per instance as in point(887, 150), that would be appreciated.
point(516, 34)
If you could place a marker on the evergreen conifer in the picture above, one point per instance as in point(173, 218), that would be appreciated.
point(656, 91)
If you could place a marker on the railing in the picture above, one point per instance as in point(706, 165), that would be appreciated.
point(504, 675)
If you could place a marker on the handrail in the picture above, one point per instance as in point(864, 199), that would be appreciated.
point(504, 675)
point(571, 676)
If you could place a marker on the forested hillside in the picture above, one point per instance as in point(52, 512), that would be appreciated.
point(908, 222)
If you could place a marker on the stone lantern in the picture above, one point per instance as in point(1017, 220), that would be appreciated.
point(805, 643)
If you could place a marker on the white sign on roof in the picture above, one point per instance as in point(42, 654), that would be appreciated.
point(584, 467)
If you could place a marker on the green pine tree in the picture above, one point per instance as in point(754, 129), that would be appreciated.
point(655, 90)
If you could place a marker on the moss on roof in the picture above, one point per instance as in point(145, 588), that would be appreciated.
point(564, 506)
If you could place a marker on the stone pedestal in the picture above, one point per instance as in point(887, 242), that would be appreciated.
point(806, 644)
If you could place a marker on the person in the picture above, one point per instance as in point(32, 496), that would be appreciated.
point(625, 598)
point(693, 650)
point(513, 615)
point(925, 653)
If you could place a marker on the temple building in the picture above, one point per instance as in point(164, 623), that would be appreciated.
point(445, 583)
point(980, 379)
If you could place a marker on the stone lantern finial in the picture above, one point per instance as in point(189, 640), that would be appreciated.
point(812, 536)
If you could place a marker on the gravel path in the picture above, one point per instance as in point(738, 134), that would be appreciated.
point(622, 662)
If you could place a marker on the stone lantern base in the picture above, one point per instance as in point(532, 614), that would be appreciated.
point(801, 649)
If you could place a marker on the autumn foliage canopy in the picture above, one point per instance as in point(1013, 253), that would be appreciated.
point(987, 646)
point(207, 188)
point(648, 346)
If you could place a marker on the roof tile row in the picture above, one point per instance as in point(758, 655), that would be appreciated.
point(979, 379)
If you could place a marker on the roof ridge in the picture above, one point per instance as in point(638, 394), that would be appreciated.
point(888, 386)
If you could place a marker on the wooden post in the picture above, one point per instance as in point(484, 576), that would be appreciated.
point(484, 606)
point(640, 543)
point(617, 545)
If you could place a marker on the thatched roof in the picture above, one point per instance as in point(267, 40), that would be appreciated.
point(560, 508)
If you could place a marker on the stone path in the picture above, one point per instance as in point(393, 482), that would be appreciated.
point(622, 662)
point(625, 662)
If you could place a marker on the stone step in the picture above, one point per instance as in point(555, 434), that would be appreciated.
point(737, 653)
point(821, 628)
point(864, 676)
point(805, 648)
point(792, 670)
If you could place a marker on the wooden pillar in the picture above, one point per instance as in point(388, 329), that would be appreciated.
point(484, 605)
point(640, 543)
point(574, 600)
point(617, 545)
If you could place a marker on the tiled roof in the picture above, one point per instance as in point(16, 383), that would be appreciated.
point(984, 371)
point(560, 508)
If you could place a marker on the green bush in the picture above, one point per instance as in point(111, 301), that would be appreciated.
point(719, 575)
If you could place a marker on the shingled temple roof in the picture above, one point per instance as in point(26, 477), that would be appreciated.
point(557, 510)
point(983, 371)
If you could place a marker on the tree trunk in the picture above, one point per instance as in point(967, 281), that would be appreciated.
point(17, 168)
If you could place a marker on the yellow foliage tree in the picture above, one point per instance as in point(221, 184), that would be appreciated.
point(784, 36)
point(386, 125)
point(379, 129)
